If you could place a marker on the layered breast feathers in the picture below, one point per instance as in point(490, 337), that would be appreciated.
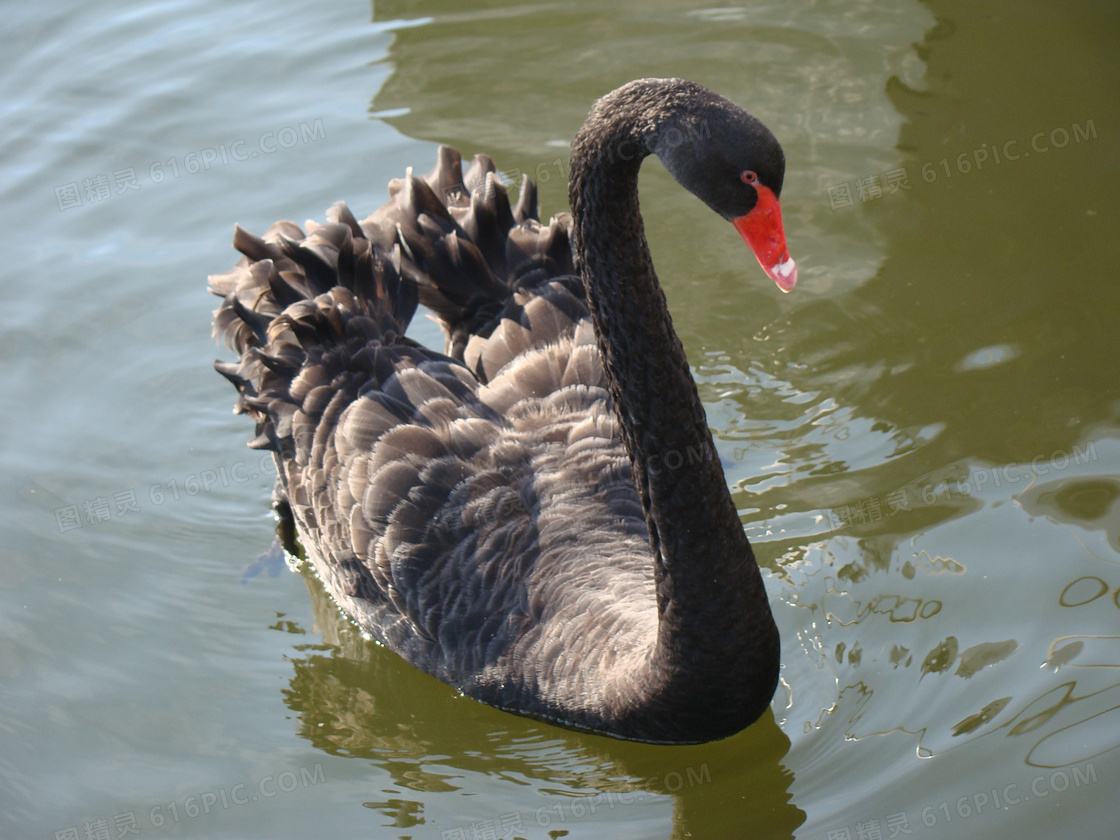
point(456, 505)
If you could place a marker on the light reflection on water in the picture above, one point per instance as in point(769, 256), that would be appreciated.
point(922, 440)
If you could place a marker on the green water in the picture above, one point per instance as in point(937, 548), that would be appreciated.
point(923, 439)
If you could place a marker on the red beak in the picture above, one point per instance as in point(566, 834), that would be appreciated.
point(762, 230)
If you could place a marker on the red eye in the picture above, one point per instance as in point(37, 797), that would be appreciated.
point(749, 177)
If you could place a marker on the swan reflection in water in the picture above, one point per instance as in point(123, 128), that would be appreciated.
point(354, 698)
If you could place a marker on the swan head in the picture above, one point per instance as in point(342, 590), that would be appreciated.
point(733, 163)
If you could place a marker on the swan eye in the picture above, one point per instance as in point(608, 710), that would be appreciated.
point(749, 177)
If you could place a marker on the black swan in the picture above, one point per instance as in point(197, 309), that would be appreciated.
point(537, 516)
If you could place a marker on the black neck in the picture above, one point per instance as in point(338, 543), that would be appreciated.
point(713, 613)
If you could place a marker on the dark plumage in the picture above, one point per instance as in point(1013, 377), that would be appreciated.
point(505, 516)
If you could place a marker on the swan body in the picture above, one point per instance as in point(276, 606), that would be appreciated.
point(536, 515)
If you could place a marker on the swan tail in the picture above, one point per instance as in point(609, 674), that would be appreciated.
point(302, 305)
point(466, 247)
point(298, 307)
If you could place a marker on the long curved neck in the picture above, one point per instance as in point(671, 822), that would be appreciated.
point(714, 617)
